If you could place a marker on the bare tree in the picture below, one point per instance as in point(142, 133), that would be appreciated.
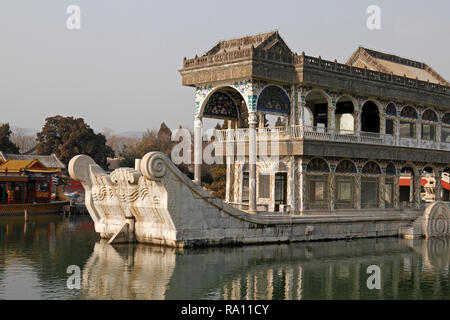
point(23, 141)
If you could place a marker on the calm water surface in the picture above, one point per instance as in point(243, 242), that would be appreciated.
point(34, 258)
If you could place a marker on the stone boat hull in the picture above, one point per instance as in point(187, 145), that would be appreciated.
point(157, 204)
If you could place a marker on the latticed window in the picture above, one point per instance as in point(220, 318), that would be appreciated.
point(408, 112)
point(264, 185)
point(345, 191)
point(407, 129)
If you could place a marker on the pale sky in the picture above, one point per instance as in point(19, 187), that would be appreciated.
point(121, 69)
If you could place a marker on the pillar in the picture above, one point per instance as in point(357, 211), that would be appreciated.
point(198, 150)
point(417, 180)
point(252, 149)
point(293, 186)
point(293, 119)
point(302, 187)
point(419, 130)
point(358, 189)
point(438, 188)
point(397, 131)
point(331, 116)
point(381, 192)
point(301, 110)
point(396, 198)
point(332, 189)
point(357, 125)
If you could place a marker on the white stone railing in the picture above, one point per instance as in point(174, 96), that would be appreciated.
point(324, 134)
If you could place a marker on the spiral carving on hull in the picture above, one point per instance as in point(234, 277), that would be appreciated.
point(154, 165)
point(436, 221)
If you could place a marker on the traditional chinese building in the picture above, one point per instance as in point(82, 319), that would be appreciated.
point(356, 135)
point(25, 181)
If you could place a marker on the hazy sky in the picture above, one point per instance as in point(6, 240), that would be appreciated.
point(121, 69)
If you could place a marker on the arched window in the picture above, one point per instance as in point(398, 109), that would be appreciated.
point(274, 99)
point(428, 129)
point(220, 105)
point(446, 118)
point(370, 185)
point(371, 168)
point(445, 129)
point(408, 112)
point(317, 165)
point(345, 184)
point(390, 169)
point(346, 166)
point(317, 181)
point(408, 128)
point(391, 110)
point(430, 115)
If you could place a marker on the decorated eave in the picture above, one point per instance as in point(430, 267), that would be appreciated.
point(263, 56)
point(267, 57)
point(20, 167)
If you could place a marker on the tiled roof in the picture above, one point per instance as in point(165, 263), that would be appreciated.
point(50, 161)
point(389, 63)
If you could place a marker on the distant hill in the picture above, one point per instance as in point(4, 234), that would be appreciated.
point(24, 131)
point(131, 134)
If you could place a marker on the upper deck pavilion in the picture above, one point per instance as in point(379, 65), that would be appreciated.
point(365, 106)
point(322, 96)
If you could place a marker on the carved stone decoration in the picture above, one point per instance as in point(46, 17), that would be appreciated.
point(153, 166)
point(436, 220)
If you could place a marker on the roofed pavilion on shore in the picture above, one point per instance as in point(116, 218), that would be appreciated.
point(381, 113)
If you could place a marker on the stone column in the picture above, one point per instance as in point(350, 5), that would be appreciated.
point(417, 180)
point(358, 190)
point(419, 130)
point(396, 192)
point(438, 188)
point(381, 192)
point(301, 108)
point(357, 113)
point(331, 116)
point(382, 123)
point(198, 150)
point(293, 185)
point(397, 131)
point(302, 187)
point(252, 151)
point(438, 134)
point(228, 182)
point(332, 190)
point(293, 118)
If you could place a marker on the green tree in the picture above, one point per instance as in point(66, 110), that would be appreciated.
point(6, 145)
point(68, 137)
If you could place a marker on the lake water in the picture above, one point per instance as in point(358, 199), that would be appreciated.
point(34, 258)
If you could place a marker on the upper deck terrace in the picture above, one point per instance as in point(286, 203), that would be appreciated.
point(304, 132)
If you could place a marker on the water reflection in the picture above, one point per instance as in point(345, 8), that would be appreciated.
point(324, 270)
point(34, 258)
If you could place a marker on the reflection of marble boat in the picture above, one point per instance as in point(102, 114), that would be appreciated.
point(269, 272)
point(148, 266)
point(156, 203)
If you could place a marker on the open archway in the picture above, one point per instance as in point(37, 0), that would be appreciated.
point(406, 184)
point(317, 102)
point(370, 117)
point(344, 114)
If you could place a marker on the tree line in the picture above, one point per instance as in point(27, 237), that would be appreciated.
point(68, 136)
